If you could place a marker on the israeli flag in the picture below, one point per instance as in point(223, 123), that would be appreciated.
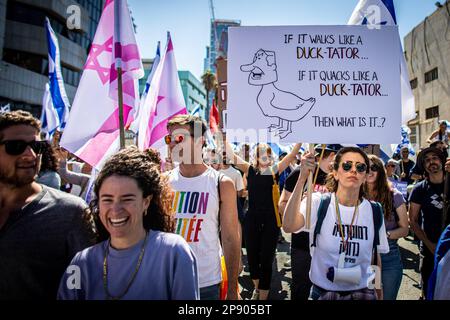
point(152, 71)
point(56, 104)
point(405, 132)
point(134, 126)
point(5, 108)
point(377, 13)
point(196, 111)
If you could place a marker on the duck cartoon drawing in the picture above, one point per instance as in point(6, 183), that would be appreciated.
point(286, 106)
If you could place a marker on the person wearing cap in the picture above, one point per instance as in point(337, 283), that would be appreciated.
point(426, 199)
point(406, 165)
point(300, 255)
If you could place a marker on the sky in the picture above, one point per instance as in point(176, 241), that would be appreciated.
point(189, 21)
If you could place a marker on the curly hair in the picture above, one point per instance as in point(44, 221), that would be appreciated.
point(332, 184)
point(49, 161)
point(16, 118)
point(140, 166)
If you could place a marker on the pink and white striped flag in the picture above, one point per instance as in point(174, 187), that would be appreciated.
point(164, 101)
point(92, 130)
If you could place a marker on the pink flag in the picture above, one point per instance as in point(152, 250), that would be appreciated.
point(92, 130)
point(164, 101)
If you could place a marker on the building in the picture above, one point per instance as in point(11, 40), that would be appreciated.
point(218, 48)
point(193, 91)
point(218, 41)
point(427, 52)
point(23, 47)
point(147, 64)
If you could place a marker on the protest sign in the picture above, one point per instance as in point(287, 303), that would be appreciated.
point(328, 84)
point(402, 187)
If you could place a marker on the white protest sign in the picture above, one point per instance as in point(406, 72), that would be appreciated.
point(327, 84)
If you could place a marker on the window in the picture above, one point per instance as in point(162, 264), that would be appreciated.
point(431, 75)
point(413, 83)
point(38, 64)
point(413, 135)
point(432, 112)
point(24, 13)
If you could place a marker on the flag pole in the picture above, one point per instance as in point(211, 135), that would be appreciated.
point(309, 194)
point(120, 96)
point(118, 58)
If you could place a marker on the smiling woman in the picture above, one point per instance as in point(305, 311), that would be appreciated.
point(138, 257)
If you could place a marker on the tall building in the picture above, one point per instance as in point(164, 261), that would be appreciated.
point(427, 52)
point(218, 47)
point(193, 91)
point(218, 41)
point(24, 52)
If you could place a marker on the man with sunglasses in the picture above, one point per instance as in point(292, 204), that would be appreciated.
point(41, 228)
point(426, 200)
point(204, 203)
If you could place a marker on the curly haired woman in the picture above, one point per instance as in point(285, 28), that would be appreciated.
point(138, 257)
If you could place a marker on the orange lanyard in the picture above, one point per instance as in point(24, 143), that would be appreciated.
point(339, 220)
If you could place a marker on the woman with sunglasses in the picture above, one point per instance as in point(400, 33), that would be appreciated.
point(138, 257)
point(261, 229)
point(343, 240)
point(396, 222)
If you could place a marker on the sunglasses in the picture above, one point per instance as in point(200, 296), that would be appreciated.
point(374, 168)
point(17, 147)
point(360, 167)
point(178, 138)
point(391, 165)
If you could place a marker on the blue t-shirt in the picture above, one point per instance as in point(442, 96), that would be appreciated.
point(168, 271)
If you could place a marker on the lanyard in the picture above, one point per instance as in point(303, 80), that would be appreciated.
point(341, 228)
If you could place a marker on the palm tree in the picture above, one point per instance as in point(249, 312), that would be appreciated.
point(210, 83)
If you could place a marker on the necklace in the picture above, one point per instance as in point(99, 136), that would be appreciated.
point(109, 296)
point(341, 228)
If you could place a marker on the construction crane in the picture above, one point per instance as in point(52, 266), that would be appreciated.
point(213, 23)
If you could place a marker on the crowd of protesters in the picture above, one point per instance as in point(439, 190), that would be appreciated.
point(133, 231)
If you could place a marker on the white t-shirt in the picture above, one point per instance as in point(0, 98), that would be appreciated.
point(328, 243)
point(196, 204)
point(234, 175)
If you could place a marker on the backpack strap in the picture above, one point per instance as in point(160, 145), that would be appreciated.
point(321, 213)
point(377, 214)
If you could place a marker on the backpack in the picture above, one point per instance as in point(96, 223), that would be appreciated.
point(377, 214)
